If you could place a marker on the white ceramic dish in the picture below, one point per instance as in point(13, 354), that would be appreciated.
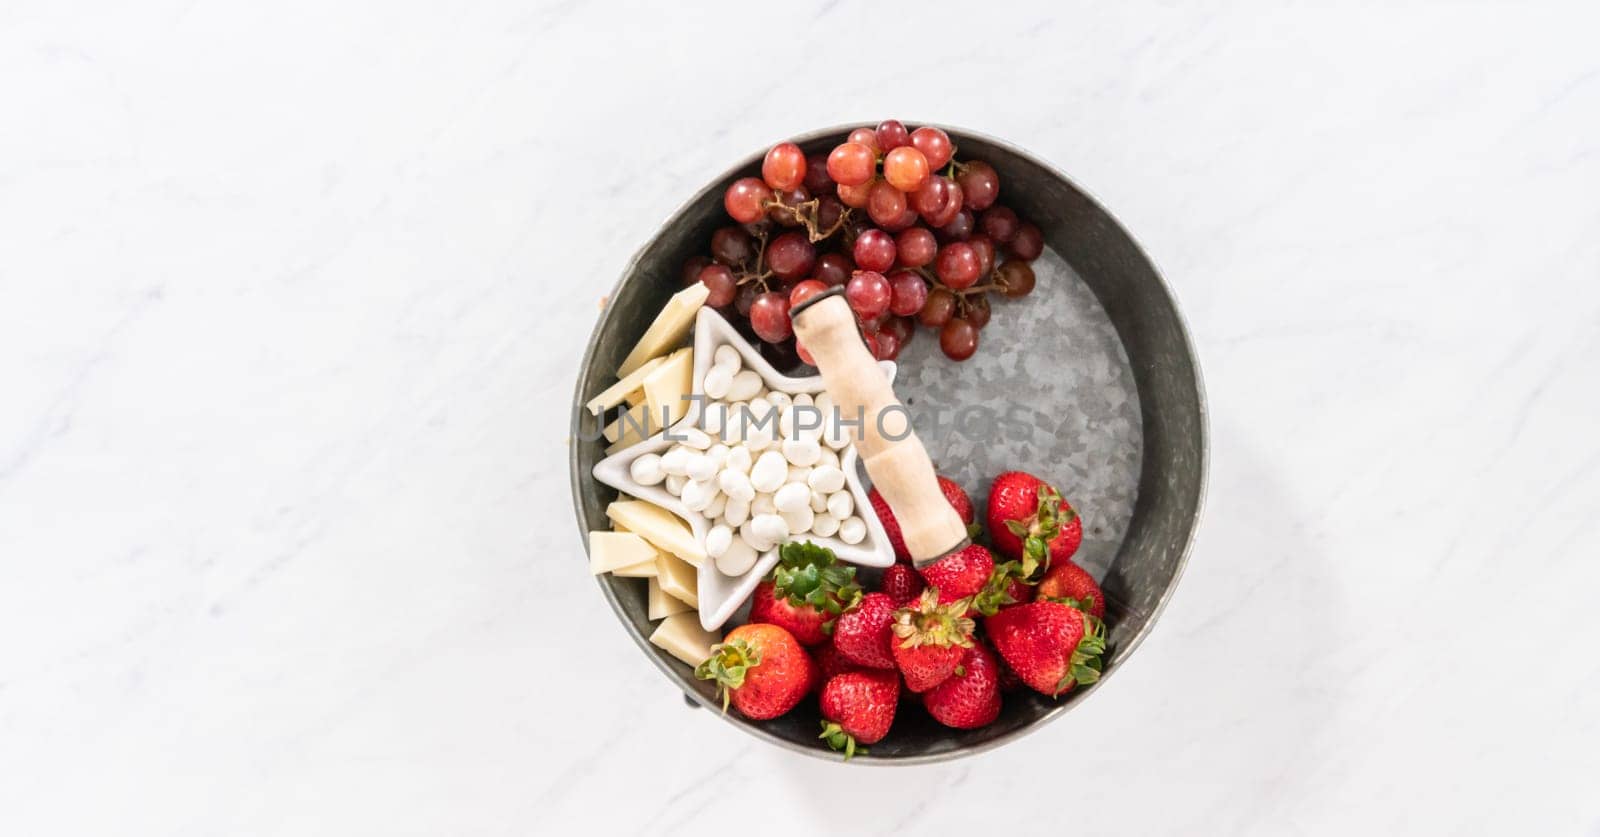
point(721, 595)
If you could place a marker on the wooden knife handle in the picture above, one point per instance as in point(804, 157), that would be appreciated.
point(894, 456)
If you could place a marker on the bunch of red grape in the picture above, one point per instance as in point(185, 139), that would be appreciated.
point(911, 232)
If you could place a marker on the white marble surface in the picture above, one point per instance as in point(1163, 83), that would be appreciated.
point(295, 295)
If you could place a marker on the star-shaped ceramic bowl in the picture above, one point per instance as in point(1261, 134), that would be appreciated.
point(720, 595)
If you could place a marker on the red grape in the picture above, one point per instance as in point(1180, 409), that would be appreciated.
point(1016, 278)
point(938, 200)
point(804, 290)
point(691, 269)
point(829, 208)
point(874, 250)
point(959, 228)
point(790, 256)
point(870, 324)
point(866, 137)
point(907, 219)
point(1029, 242)
point(905, 168)
point(785, 211)
point(868, 293)
point(817, 181)
point(958, 339)
point(784, 169)
point(941, 305)
point(1000, 223)
point(901, 328)
point(978, 310)
point(958, 265)
point(732, 246)
point(851, 164)
point(769, 316)
point(916, 246)
point(888, 345)
point(746, 200)
point(907, 293)
point(855, 196)
point(833, 268)
point(980, 185)
point(746, 298)
point(885, 204)
point(719, 279)
point(891, 134)
point(934, 145)
point(985, 249)
point(871, 340)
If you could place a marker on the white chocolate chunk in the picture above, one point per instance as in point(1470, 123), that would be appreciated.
point(678, 579)
point(609, 551)
point(663, 529)
point(661, 604)
point(681, 636)
point(643, 569)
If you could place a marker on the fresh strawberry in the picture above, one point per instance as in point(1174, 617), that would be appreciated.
point(960, 575)
point(830, 663)
point(1071, 584)
point(930, 639)
point(970, 698)
point(1051, 646)
point(858, 708)
point(1006, 587)
point(862, 634)
point(952, 492)
point(807, 591)
point(761, 668)
point(1029, 522)
point(901, 583)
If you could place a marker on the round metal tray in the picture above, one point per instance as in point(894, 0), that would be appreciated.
point(1090, 382)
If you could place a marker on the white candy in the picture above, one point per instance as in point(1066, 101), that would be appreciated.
point(717, 381)
point(758, 437)
point(852, 531)
point(718, 504)
point(718, 540)
point(834, 434)
point(769, 527)
point(829, 458)
point(735, 484)
point(675, 484)
point(697, 494)
point(745, 385)
point(646, 470)
point(793, 497)
point(819, 501)
point(735, 511)
point(803, 399)
point(763, 504)
point(779, 399)
point(738, 560)
point(826, 478)
point(841, 504)
point(799, 521)
point(739, 459)
point(726, 355)
point(804, 452)
point(718, 453)
point(675, 462)
point(798, 474)
point(692, 437)
point(700, 467)
point(825, 525)
point(747, 533)
point(714, 419)
point(768, 472)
